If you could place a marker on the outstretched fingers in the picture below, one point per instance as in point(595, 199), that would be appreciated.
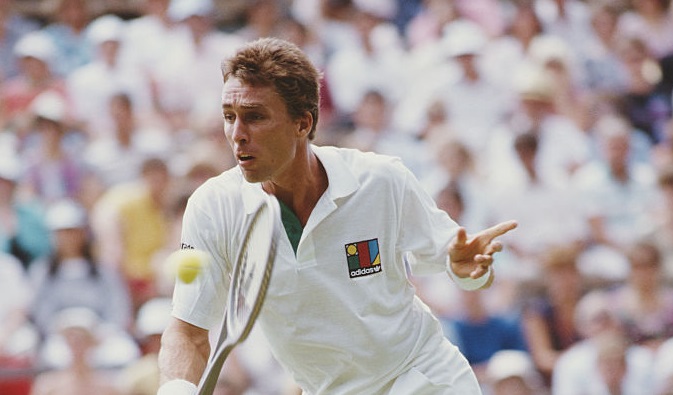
point(485, 259)
point(499, 230)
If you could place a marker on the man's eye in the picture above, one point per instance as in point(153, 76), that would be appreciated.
point(229, 117)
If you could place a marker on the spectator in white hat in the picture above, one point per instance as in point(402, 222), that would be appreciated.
point(79, 330)
point(53, 170)
point(35, 53)
point(376, 62)
point(73, 266)
point(196, 46)
point(91, 86)
point(475, 103)
point(563, 147)
point(13, 26)
point(149, 38)
point(511, 372)
point(146, 33)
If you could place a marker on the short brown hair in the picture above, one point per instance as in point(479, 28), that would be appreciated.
point(283, 65)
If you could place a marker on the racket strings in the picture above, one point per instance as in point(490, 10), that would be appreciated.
point(249, 283)
point(252, 266)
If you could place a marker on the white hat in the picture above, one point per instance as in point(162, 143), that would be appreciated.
point(153, 316)
point(76, 317)
point(182, 9)
point(49, 105)
point(534, 83)
point(546, 49)
point(66, 214)
point(463, 37)
point(10, 168)
point(105, 28)
point(384, 9)
point(37, 45)
point(511, 363)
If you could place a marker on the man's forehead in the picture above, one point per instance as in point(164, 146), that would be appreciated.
point(235, 92)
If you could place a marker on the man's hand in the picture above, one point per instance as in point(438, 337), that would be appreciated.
point(472, 256)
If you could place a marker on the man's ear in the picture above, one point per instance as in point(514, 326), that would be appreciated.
point(304, 124)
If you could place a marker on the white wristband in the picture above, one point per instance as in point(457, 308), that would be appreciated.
point(469, 283)
point(177, 387)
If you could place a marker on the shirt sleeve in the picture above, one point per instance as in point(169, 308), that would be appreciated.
point(202, 302)
point(425, 230)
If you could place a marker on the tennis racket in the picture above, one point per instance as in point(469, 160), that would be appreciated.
point(249, 283)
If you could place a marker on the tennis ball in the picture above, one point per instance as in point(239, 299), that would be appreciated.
point(188, 263)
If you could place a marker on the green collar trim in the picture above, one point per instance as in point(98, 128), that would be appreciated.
point(292, 225)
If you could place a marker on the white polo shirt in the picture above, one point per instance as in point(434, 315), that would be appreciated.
point(341, 315)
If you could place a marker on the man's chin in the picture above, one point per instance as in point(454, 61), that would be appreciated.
point(252, 177)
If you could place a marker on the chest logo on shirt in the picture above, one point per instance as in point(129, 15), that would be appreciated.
point(363, 258)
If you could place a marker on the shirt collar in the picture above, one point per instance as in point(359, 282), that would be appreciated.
point(342, 181)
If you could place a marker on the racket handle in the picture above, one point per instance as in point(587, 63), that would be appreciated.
point(209, 380)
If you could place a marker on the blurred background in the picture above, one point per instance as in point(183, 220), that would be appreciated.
point(556, 113)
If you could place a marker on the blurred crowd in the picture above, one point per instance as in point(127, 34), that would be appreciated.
point(556, 113)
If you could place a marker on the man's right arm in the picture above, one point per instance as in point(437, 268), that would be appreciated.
point(184, 353)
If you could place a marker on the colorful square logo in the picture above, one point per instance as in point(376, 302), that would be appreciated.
point(363, 258)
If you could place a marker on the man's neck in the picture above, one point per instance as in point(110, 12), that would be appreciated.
point(303, 188)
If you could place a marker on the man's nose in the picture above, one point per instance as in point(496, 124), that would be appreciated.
point(239, 132)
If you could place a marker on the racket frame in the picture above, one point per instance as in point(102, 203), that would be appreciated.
point(226, 342)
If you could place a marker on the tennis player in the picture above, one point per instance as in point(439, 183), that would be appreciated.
point(340, 313)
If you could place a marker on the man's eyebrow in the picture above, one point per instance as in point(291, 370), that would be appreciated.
point(247, 106)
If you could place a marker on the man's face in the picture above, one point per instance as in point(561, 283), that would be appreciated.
point(260, 130)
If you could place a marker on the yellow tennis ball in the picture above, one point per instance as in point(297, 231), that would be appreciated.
point(188, 264)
